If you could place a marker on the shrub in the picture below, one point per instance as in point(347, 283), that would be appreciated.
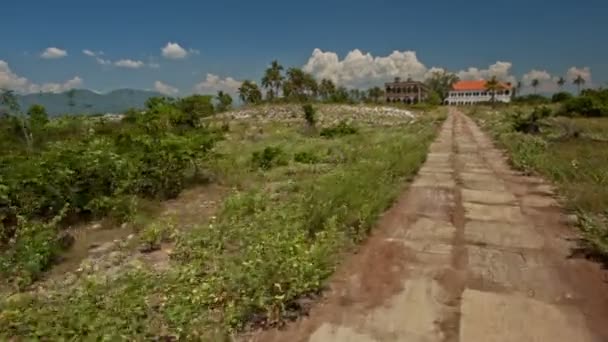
point(306, 158)
point(561, 97)
point(586, 105)
point(268, 158)
point(309, 114)
point(343, 128)
point(533, 99)
point(529, 123)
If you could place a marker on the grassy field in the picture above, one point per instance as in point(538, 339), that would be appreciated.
point(570, 151)
point(301, 197)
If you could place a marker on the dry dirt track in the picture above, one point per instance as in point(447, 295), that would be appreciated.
point(473, 251)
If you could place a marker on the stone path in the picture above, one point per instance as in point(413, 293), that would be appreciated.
point(473, 251)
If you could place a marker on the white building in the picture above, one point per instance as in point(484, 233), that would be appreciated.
point(472, 92)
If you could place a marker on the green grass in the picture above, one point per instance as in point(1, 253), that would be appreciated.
point(277, 238)
point(578, 165)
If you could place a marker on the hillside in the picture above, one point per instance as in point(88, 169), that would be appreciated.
point(88, 102)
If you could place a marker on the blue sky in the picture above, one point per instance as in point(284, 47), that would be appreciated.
point(235, 40)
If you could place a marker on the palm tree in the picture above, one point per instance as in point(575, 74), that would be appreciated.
point(560, 83)
point(579, 81)
point(534, 84)
point(272, 79)
point(249, 92)
point(492, 86)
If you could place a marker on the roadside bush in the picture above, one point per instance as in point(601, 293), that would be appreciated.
point(306, 158)
point(268, 158)
point(529, 123)
point(532, 99)
point(341, 129)
point(561, 97)
point(588, 105)
point(309, 115)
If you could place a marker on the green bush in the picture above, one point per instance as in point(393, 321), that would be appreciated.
point(268, 158)
point(561, 97)
point(341, 129)
point(306, 158)
point(586, 105)
point(309, 114)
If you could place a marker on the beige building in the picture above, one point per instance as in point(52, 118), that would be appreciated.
point(409, 91)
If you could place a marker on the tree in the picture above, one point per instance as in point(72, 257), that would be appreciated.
point(9, 99)
point(341, 95)
point(37, 116)
point(195, 107)
point(493, 86)
point(374, 94)
point(250, 93)
point(534, 84)
point(517, 89)
point(560, 83)
point(224, 101)
point(441, 82)
point(273, 79)
point(299, 85)
point(327, 89)
point(579, 81)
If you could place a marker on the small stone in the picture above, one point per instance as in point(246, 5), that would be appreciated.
point(572, 219)
point(130, 237)
point(96, 226)
point(148, 248)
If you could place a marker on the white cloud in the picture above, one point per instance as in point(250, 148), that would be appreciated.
point(61, 87)
point(502, 71)
point(214, 83)
point(154, 65)
point(10, 80)
point(129, 63)
point(174, 51)
point(546, 82)
point(584, 72)
point(103, 61)
point(53, 52)
point(165, 89)
point(360, 69)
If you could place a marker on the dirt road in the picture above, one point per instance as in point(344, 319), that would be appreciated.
point(473, 251)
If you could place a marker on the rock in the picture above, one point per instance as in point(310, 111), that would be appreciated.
point(572, 219)
point(148, 248)
point(65, 240)
point(96, 226)
point(130, 237)
point(103, 248)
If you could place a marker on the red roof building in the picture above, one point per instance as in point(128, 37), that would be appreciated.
point(471, 92)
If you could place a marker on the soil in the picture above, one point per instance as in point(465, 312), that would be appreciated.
point(472, 251)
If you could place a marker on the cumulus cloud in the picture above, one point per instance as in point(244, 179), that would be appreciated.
point(174, 51)
point(546, 82)
point(584, 72)
point(129, 63)
point(53, 53)
point(214, 83)
point(502, 71)
point(359, 69)
point(103, 61)
point(60, 87)
point(154, 65)
point(89, 53)
point(165, 89)
point(12, 81)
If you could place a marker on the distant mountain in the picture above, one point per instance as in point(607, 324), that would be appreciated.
point(88, 102)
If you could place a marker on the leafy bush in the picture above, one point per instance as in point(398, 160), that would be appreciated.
point(533, 99)
point(306, 158)
point(341, 129)
point(589, 105)
point(309, 114)
point(268, 158)
point(561, 97)
point(529, 123)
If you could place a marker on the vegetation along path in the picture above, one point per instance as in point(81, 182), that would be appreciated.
point(473, 251)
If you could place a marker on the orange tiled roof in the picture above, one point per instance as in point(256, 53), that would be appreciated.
point(476, 85)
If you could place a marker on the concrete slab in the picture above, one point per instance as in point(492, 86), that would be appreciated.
point(501, 234)
point(488, 197)
point(502, 213)
point(491, 317)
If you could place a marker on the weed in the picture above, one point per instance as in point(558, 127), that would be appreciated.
point(341, 129)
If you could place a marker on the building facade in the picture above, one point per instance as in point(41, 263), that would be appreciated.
point(472, 92)
point(409, 91)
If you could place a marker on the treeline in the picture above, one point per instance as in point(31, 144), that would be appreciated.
point(296, 85)
point(78, 167)
point(590, 102)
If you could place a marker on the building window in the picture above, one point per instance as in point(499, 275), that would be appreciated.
point(506, 92)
